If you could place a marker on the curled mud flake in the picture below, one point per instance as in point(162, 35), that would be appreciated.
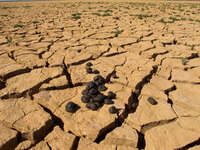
point(102, 88)
point(152, 101)
point(111, 95)
point(89, 64)
point(92, 106)
point(108, 101)
point(95, 71)
point(71, 107)
point(85, 99)
point(89, 70)
point(113, 110)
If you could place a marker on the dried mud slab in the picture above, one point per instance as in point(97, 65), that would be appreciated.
point(41, 145)
point(24, 145)
point(185, 99)
point(123, 136)
point(28, 83)
point(147, 114)
point(26, 117)
point(57, 139)
point(178, 136)
point(86, 122)
point(8, 137)
point(9, 67)
point(150, 61)
point(87, 144)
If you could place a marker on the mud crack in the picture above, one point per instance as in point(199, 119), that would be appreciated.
point(151, 125)
point(190, 145)
point(170, 101)
point(67, 74)
point(29, 92)
point(129, 108)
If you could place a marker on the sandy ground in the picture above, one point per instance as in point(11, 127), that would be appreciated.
point(147, 52)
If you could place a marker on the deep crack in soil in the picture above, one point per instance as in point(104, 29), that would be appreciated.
point(42, 58)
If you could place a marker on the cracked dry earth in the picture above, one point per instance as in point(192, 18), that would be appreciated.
point(44, 48)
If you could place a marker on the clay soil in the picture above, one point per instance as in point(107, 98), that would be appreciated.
point(153, 49)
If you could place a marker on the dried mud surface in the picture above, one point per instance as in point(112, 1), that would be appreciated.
point(153, 48)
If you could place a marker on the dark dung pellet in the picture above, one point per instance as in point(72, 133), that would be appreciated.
point(93, 91)
point(96, 78)
point(99, 98)
point(111, 95)
point(84, 92)
point(108, 101)
point(89, 64)
point(91, 85)
point(99, 79)
point(152, 101)
point(95, 71)
point(98, 104)
point(92, 106)
point(71, 107)
point(97, 83)
point(89, 70)
point(85, 99)
point(92, 99)
point(102, 87)
point(113, 110)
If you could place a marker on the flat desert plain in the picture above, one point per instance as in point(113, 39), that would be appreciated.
point(147, 52)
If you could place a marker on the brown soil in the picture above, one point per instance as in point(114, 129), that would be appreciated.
point(153, 47)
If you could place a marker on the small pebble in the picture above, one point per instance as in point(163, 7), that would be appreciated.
point(71, 107)
point(113, 110)
point(108, 101)
point(152, 101)
point(111, 95)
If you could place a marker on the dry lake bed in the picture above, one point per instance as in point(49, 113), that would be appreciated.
point(52, 54)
